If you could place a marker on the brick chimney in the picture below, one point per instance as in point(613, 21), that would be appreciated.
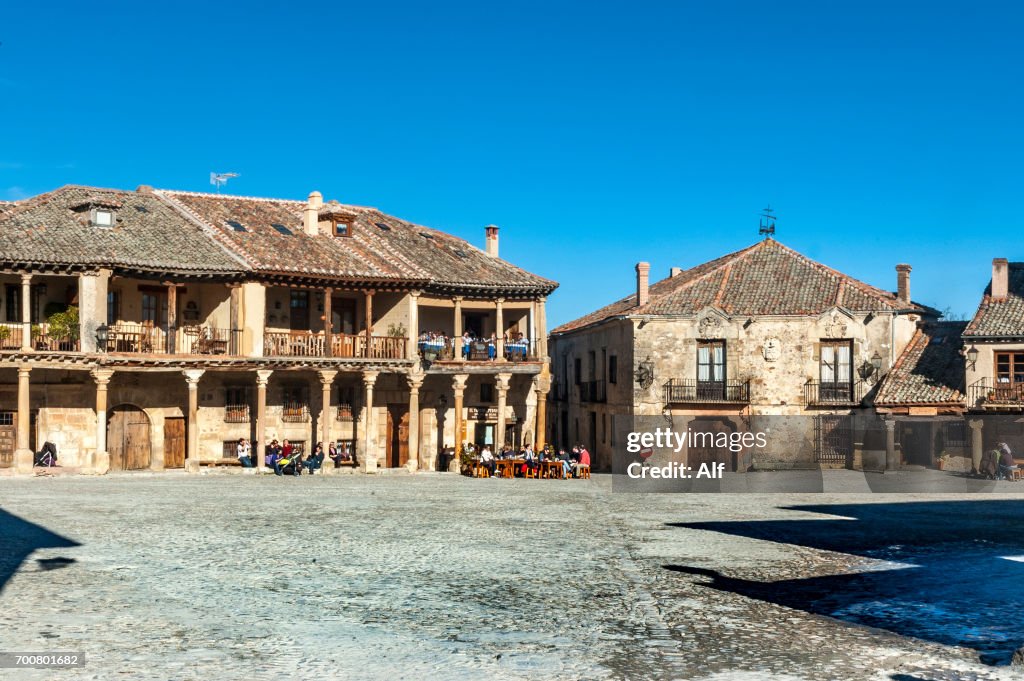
point(643, 270)
point(1000, 278)
point(903, 283)
point(311, 214)
point(492, 240)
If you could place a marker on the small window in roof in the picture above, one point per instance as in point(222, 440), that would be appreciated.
point(141, 209)
point(383, 225)
point(282, 229)
point(461, 253)
point(237, 226)
point(426, 235)
point(342, 226)
point(103, 217)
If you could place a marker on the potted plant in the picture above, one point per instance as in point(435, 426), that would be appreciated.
point(942, 461)
point(63, 327)
point(5, 333)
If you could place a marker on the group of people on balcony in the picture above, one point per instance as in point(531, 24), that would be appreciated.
point(434, 344)
point(284, 458)
point(572, 462)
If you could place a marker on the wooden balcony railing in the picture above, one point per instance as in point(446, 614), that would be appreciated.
point(692, 391)
point(132, 338)
point(308, 344)
point(818, 393)
point(994, 394)
point(208, 340)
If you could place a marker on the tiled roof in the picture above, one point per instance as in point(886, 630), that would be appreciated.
point(1001, 317)
point(381, 247)
point(764, 279)
point(54, 228)
point(930, 370)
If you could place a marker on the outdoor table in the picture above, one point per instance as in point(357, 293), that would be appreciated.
point(551, 469)
point(505, 469)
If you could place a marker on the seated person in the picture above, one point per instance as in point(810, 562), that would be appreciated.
point(289, 459)
point(243, 451)
point(273, 453)
point(531, 459)
point(487, 460)
point(563, 456)
point(1006, 463)
point(316, 460)
point(584, 462)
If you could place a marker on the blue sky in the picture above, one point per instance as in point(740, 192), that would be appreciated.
point(595, 134)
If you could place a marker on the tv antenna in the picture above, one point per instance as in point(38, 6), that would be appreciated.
point(218, 180)
point(767, 223)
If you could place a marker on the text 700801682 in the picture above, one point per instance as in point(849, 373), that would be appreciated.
point(59, 660)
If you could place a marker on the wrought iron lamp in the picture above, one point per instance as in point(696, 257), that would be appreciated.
point(102, 337)
point(972, 357)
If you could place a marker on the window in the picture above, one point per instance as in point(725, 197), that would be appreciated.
point(578, 370)
point(154, 308)
point(113, 307)
point(836, 371)
point(101, 217)
point(6, 418)
point(229, 450)
point(833, 439)
point(486, 392)
point(281, 229)
point(346, 398)
point(1009, 376)
point(613, 369)
point(12, 302)
point(299, 310)
point(295, 404)
point(954, 434)
point(342, 228)
point(236, 404)
point(711, 370)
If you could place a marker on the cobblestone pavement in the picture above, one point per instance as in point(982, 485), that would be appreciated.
point(427, 576)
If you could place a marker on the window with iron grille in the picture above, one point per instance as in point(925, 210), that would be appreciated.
point(236, 404)
point(295, 404)
point(346, 399)
point(954, 434)
point(711, 370)
point(6, 418)
point(230, 450)
point(836, 371)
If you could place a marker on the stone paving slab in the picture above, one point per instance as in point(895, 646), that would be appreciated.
point(429, 576)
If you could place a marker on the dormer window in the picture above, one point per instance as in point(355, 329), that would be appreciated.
point(342, 227)
point(103, 217)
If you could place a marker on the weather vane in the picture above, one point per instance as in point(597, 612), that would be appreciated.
point(767, 224)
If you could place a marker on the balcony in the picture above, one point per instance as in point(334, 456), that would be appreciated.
point(994, 394)
point(593, 391)
point(817, 393)
point(10, 336)
point(442, 349)
point(692, 391)
point(146, 339)
point(309, 344)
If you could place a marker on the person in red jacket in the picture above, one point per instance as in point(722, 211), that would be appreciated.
point(584, 460)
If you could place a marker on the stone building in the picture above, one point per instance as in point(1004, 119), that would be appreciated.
point(764, 331)
point(152, 329)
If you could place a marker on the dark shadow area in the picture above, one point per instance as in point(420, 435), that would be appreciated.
point(956, 583)
point(19, 538)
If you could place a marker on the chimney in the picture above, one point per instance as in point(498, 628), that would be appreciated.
point(675, 272)
point(643, 269)
point(311, 214)
point(1000, 278)
point(492, 240)
point(903, 283)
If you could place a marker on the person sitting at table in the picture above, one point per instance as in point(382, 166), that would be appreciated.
point(531, 459)
point(563, 456)
point(1006, 463)
point(584, 462)
point(316, 460)
point(487, 459)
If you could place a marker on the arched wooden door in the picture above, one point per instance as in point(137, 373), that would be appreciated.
point(128, 439)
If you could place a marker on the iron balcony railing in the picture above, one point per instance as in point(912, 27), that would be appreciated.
point(593, 391)
point(995, 394)
point(443, 348)
point(693, 391)
point(823, 393)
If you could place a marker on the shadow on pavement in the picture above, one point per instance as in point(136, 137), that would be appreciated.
point(953, 577)
point(19, 538)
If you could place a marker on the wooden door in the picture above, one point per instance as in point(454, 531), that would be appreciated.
point(128, 439)
point(174, 443)
point(398, 435)
point(705, 449)
point(343, 316)
point(8, 438)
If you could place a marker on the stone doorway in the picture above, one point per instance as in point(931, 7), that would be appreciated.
point(128, 439)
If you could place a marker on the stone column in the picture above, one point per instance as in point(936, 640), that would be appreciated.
point(234, 321)
point(260, 446)
point(23, 452)
point(541, 328)
point(415, 382)
point(541, 388)
point(192, 377)
point(254, 316)
point(458, 386)
point(101, 457)
point(499, 321)
point(977, 443)
point(501, 382)
point(328, 330)
point(414, 324)
point(458, 327)
point(92, 306)
point(368, 457)
point(326, 383)
point(26, 312)
point(892, 461)
point(172, 317)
